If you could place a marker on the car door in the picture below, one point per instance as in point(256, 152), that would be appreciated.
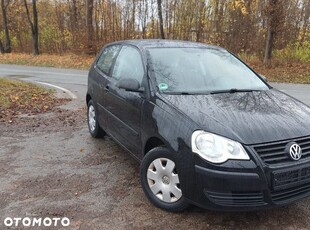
point(102, 71)
point(124, 107)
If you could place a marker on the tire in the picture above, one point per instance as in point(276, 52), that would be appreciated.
point(160, 180)
point(93, 126)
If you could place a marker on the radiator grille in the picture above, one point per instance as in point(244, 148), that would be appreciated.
point(274, 153)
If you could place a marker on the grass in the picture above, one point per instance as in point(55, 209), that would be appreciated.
point(49, 60)
point(17, 97)
point(281, 70)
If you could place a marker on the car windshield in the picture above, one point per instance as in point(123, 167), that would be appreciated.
point(201, 71)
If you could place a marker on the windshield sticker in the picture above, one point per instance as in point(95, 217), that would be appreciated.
point(163, 86)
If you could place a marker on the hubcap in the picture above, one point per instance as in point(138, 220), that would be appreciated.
point(92, 118)
point(163, 180)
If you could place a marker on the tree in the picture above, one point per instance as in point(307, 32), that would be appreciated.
point(1, 47)
point(160, 17)
point(305, 21)
point(86, 25)
point(33, 25)
point(89, 25)
point(275, 16)
point(7, 42)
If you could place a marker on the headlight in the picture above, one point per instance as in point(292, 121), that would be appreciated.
point(217, 149)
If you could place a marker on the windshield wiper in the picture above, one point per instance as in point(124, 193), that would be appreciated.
point(212, 92)
point(232, 91)
point(188, 93)
point(178, 93)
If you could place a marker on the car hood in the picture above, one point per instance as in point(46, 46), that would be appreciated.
point(249, 117)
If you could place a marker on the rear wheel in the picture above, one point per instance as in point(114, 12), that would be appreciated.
point(93, 125)
point(160, 180)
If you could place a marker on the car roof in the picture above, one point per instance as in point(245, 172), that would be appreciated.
point(154, 43)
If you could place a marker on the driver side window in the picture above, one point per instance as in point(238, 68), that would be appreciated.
point(128, 65)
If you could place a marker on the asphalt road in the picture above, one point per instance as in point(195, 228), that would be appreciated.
point(51, 167)
point(73, 80)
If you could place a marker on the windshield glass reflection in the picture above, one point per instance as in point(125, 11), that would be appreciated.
point(200, 70)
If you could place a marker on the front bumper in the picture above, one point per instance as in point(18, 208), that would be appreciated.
point(231, 189)
point(246, 185)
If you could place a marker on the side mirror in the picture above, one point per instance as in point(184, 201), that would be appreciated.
point(129, 84)
point(264, 78)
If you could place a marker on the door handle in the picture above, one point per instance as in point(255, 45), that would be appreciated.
point(107, 88)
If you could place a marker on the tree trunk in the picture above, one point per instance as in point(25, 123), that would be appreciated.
point(89, 25)
point(7, 43)
point(201, 18)
point(74, 23)
point(1, 48)
point(35, 34)
point(269, 46)
point(33, 26)
point(133, 18)
point(74, 15)
point(306, 18)
point(160, 16)
point(270, 31)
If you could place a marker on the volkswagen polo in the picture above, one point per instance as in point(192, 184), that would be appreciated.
point(206, 128)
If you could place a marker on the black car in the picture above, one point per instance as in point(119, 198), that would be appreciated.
point(207, 129)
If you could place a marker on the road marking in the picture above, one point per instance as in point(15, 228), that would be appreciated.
point(72, 95)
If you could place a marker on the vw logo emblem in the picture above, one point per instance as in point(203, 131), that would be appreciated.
point(295, 151)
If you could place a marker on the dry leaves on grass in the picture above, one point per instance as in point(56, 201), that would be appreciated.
point(17, 97)
point(49, 60)
point(290, 72)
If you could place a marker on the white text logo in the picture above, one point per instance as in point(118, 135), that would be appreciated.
point(27, 222)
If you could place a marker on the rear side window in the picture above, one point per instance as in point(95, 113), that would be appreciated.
point(128, 64)
point(105, 61)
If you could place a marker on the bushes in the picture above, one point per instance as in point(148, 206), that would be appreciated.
point(295, 52)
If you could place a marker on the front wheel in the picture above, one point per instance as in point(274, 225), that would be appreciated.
point(92, 121)
point(160, 180)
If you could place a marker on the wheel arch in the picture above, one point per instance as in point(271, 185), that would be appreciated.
point(88, 98)
point(152, 143)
